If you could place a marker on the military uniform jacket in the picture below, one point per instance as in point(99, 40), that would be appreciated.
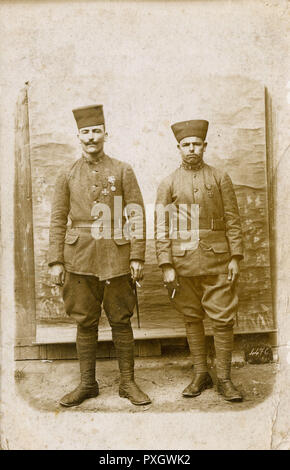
point(80, 188)
point(219, 235)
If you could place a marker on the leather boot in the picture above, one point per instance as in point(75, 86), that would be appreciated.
point(200, 382)
point(224, 343)
point(86, 348)
point(196, 342)
point(226, 388)
point(124, 345)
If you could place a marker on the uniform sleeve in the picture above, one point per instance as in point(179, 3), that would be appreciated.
point(134, 204)
point(232, 217)
point(58, 220)
point(161, 224)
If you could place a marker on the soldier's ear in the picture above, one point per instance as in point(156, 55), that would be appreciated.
point(105, 136)
point(204, 146)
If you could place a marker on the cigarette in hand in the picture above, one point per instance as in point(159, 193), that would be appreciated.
point(173, 293)
point(138, 284)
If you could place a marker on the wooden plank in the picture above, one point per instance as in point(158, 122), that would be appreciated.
point(22, 353)
point(61, 351)
point(149, 348)
point(51, 334)
point(112, 351)
point(167, 345)
point(103, 350)
point(23, 227)
point(271, 180)
point(57, 351)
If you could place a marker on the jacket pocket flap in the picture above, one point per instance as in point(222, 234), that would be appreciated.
point(220, 247)
point(71, 238)
point(216, 247)
point(121, 241)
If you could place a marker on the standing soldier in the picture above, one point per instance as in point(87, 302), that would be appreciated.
point(201, 273)
point(97, 267)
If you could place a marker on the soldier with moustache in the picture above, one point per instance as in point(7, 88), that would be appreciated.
point(97, 270)
point(201, 272)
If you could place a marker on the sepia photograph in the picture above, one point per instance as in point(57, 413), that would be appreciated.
point(144, 225)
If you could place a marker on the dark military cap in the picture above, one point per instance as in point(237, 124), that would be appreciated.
point(87, 116)
point(195, 128)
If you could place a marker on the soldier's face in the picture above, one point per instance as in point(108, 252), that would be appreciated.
point(92, 138)
point(192, 149)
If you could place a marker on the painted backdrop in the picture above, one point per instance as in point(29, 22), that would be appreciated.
point(138, 121)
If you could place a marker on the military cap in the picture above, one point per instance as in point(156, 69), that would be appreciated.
point(194, 128)
point(87, 116)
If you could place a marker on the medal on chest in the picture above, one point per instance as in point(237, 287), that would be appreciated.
point(111, 181)
point(209, 190)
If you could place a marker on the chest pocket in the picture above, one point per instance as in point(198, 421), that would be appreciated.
point(213, 204)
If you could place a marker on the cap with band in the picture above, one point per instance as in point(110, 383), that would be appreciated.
point(88, 116)
point(193, 128)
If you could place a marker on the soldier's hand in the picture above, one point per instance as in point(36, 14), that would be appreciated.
point(57, 274)
point(170, 278)
point(233, 270)
point(136, 268)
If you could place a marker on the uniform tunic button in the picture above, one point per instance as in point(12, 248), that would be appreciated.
point(195, 190)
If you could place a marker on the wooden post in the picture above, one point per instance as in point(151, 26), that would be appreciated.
point(271, 196)
point(23, 228)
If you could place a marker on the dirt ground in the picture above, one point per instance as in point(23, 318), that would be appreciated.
point(43, 383)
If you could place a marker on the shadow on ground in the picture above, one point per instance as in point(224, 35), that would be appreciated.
point(43, 383)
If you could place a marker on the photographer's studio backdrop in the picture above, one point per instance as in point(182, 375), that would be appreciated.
point(138, 122)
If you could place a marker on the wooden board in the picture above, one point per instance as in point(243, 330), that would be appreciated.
point(23, 228)
point(237, 143)
point(66, 333)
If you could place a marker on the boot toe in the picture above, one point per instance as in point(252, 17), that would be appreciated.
point(145, 401)
point(191, 391)
point(199, 383)
point(229, 392)
point(77, 396)
point(134, 394)
point(236, 399)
